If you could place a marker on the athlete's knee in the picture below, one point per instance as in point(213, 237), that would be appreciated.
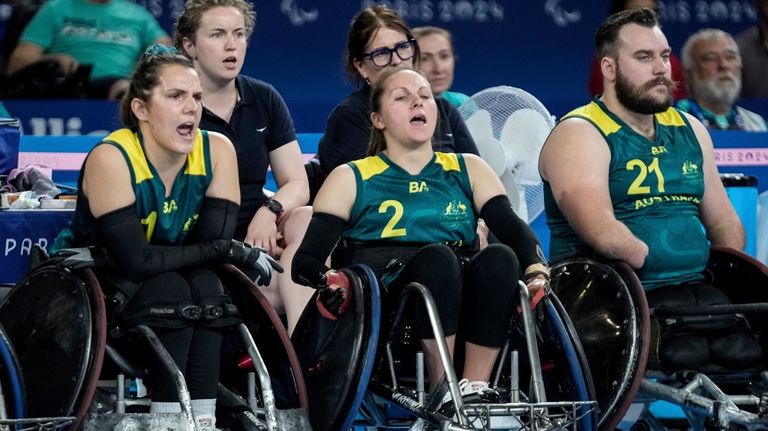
point(204, 283)
point(494, 272)
point(500, 257)
point(215, 309)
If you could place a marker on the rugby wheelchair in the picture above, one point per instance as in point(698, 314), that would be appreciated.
point(363, 370)
point(64, 361)
point(619, 335)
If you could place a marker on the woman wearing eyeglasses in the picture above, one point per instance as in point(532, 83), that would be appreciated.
point(378, 39)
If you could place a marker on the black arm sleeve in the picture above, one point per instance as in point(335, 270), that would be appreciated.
point(309, 262)
point(124, 237)
point(512, 230)
point(217, 220)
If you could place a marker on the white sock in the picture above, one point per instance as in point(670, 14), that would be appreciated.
point(205, 412)
point(164, 407)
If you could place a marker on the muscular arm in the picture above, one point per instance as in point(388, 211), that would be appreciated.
point(575, 161)
point(225, 183)
point(27, 53)
point(723, 224)
point(331, 209)
point(290, 175)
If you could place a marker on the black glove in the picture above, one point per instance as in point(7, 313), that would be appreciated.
point(79, 258)
point(242, 254)
point(330, 302)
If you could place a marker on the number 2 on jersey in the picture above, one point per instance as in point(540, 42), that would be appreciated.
point(390, 230)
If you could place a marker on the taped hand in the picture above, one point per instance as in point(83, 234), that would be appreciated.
point(334, 300)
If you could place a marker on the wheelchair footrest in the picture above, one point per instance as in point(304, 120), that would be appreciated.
point(47, 423)
point(135, 421)
point(528, 416)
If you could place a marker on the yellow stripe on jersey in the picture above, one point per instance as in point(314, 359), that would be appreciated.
point(129, 142)
point(196, 159)
point(600, 119)
point(449, 161)
point(370, 166)
point(670, 117)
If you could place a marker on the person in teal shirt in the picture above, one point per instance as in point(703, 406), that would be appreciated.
point(631, 178)
point(109, 35)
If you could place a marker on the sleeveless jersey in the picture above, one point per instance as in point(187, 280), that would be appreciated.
point(166, 220)
point(656, 189)
point(433, 206)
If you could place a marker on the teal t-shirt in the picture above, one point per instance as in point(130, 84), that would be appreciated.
point(656, 189)
point(454, 98)
point(433, 206)
point(110, 36)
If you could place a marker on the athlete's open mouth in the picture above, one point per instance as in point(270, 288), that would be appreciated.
point(186, 129)
point(419, 119)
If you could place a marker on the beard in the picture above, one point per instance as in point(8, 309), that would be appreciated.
point(717, 91)
point(637, 98)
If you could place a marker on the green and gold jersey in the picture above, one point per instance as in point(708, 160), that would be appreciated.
point(656, 188)
point(166, 220)
point(433, 206)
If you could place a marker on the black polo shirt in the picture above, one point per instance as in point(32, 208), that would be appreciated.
point(260, 123)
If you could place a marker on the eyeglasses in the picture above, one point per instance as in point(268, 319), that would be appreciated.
point(383, 56)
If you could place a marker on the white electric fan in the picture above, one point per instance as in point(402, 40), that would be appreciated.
point(509, 127)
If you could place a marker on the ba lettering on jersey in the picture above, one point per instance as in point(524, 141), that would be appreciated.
point(417, 187)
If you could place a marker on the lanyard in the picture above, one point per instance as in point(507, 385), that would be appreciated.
point(735, 122)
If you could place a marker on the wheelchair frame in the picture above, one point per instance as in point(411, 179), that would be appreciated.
point(526, 413)
point(267, 416)
point(704, 404)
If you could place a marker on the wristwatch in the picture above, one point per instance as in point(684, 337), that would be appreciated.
point(275, 206)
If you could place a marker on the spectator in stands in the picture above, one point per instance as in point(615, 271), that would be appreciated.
point(713, 75)
point(753, 45)
point(251, 113)
point(596, 76)
point(160, 197)
point(476, 291)
point(108, 35)
point(438, 61)
point(379, 39)
point(631, 178)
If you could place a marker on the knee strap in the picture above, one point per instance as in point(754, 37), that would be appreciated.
point(219, 312)
point(163, 314)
